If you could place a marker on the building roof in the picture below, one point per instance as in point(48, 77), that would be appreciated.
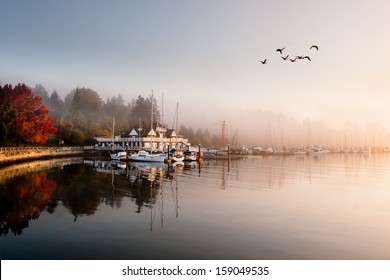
point(152, 132)
point(133, 133)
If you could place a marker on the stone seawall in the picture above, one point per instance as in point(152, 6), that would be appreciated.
point(17, 169)
point(16, 154)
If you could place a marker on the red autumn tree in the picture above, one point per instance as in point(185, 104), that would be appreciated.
point(31, 123)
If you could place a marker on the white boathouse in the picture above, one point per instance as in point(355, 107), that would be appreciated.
point(158, 140)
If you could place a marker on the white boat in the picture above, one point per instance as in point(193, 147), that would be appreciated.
point(278, 151)
point(257, 150)
point(177, 156)
point(299, 151)
point(146, 156)
point(189, 156)
point(121, 155)
point(318, 151)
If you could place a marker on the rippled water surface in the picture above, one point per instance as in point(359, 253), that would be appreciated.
point(293, 207)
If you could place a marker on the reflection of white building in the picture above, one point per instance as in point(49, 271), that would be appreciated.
point(155, 140)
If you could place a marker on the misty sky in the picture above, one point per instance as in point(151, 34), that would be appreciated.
point(205, 55)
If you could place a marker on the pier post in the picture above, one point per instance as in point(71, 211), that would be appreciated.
point(168, 160)
point(198, 158)
point(228, 157)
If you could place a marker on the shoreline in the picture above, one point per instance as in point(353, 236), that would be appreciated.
point(11, 155)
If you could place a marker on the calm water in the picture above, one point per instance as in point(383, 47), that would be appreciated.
point(293, 207)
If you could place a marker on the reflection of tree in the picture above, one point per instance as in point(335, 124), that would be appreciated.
point(22, 200)
point(78, 189)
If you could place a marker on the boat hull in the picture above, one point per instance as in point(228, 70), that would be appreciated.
point(146, 157)
point(119, 156)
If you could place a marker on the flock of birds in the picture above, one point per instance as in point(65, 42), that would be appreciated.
point(287, 57)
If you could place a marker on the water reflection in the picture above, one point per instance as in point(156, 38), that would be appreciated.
point(82, 186)
point(23, 200)
point(270, 207)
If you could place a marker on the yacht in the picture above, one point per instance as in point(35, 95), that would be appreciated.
point(146, 156)
point(121, 155)
point(190, 156)
point(318, 151)
point(299, 151)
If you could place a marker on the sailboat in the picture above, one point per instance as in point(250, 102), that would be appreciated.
point(119, 155)
point(145, 155)
point(176, 155)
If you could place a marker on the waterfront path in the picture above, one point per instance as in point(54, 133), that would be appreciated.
point(15, 154)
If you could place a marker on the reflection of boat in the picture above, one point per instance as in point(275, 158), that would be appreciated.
point(118, 164)
point(145, 165)
point(178, 166)
point(120, 155)
point(190, 164)
point(146, 156)
point(151, 172)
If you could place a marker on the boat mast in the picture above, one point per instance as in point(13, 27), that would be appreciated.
point(162, 110)
point(177, 117)
point(113, 130)
point(139, 134)
point(151, 124)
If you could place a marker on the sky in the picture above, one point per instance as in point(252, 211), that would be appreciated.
point(205, 56)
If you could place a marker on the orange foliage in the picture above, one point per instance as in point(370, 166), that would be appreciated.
point(33, 123)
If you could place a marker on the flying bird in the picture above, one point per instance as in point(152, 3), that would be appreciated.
point(299, 57)
point(280, 50)
point(293, 60)
point(263, 61)
point(314, 46)
point(285, 58)
point(306, 57)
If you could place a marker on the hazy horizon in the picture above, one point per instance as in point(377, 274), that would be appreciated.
point(205, 55)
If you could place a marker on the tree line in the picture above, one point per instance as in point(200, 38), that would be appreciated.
point(32, 115)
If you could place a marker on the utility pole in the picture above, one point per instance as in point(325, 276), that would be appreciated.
point(223, 133)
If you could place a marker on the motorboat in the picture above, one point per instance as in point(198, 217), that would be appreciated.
point(318, 151)
point(177, 156)
point(299, 151)
point(146, 156)
point(190, 156)
point(120, 155)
